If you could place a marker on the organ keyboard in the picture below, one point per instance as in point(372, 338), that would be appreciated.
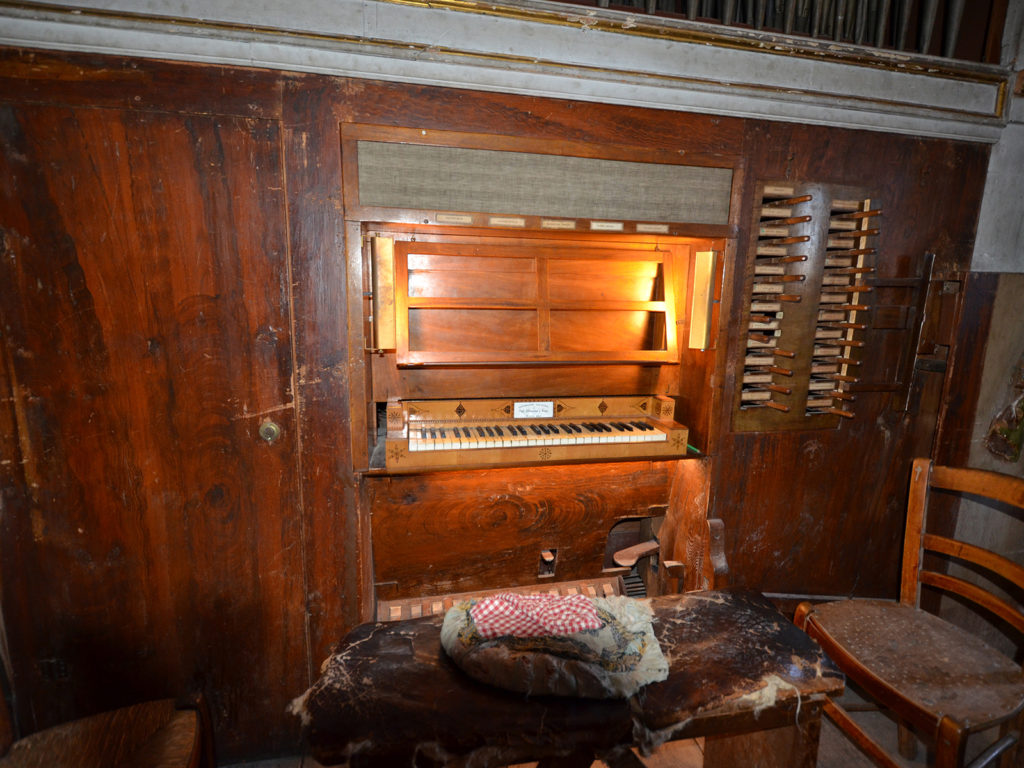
point(462, 434)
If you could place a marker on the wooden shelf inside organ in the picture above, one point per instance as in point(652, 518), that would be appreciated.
point(812, 253)
point(509, 302)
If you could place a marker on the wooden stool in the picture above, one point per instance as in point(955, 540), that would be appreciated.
point(151, 735)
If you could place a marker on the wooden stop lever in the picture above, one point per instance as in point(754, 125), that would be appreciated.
point(628, 557)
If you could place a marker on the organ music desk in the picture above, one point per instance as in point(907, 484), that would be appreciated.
point(740, 675)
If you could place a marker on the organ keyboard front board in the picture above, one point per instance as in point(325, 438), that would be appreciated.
point(462, 434)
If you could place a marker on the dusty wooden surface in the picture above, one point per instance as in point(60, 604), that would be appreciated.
point(736, 666)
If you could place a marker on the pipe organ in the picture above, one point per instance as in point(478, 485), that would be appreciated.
point(556, 308)
point(531, 307)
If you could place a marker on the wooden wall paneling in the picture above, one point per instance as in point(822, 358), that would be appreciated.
point(791, 503)
point(329, 364)
point(145, 310)
point(96, 80)
point(963, 376)
point(554, 121)
point(960, 388)
point(14, 504)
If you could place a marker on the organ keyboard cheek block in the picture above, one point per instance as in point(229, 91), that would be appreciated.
point(449, 434)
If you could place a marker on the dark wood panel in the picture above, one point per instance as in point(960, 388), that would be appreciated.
point(555, 121)
point(94, 80)
point(328, 376)
point(462, 531)
point(967, 339)
point(145, 306)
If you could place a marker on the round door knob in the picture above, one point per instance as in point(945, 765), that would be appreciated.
point(270, 431)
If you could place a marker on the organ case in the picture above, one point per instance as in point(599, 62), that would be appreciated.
point(569, 291)
point(461, 305)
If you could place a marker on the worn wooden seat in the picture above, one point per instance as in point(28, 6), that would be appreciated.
point(154, 734)
point(936, 678)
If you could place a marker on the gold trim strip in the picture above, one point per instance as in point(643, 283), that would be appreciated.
point(605, 20)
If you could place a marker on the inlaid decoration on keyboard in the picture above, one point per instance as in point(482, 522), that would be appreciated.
point(456, 434)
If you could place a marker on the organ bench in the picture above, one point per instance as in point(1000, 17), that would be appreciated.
point(740, 675)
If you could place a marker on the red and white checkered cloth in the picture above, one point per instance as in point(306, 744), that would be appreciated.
point(518, 615)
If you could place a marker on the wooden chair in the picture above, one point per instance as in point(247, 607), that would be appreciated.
point(154, 734)
point(937, 679)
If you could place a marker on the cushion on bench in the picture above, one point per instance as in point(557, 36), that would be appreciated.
point(614, 660)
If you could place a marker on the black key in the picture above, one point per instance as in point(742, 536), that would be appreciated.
point(567, 429)
point(490, 432)
point(498, 431)
point(480, 431)
point(535, 429)
point(466, 432)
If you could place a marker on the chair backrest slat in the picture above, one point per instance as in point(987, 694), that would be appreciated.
point(984, 558)
point(977, 595)
point(980, 482)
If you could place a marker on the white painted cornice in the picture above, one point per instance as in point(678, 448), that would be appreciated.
point(537, 48)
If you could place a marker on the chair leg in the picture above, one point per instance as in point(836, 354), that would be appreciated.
point(906, 740)
point(801, 614)
point(950, 744)
point(1013, 757)
point(857, 736)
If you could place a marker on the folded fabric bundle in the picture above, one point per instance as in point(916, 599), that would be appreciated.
point(518, 615)
point(556, 645)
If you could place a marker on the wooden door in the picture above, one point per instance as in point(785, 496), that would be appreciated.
point(150, 537)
